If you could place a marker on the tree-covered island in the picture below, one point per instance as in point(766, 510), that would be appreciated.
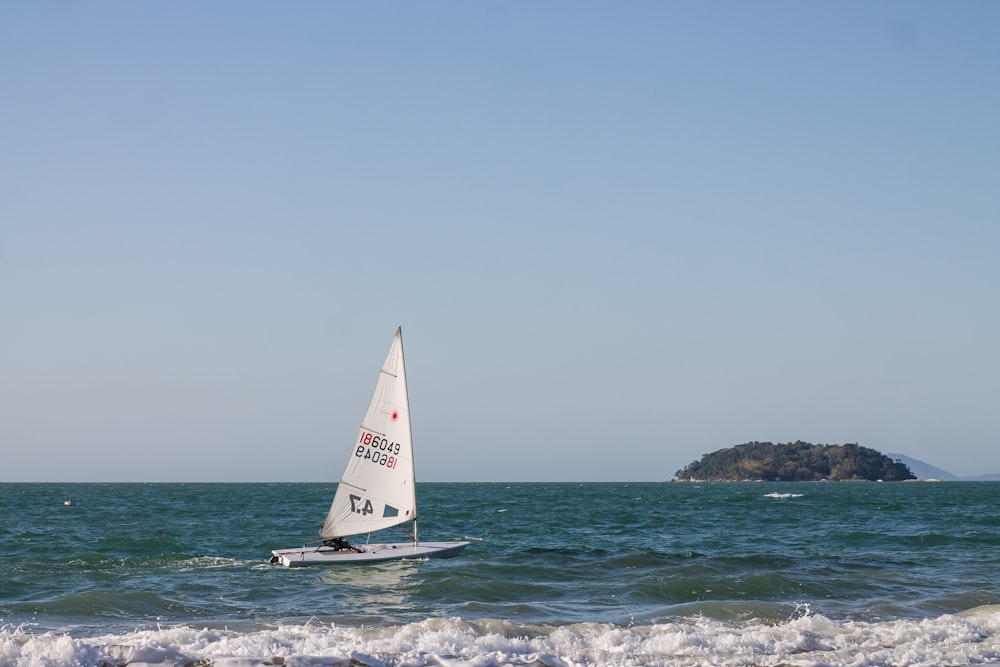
point(795, 462)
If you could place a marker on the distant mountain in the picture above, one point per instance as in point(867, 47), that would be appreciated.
point(926, 471)
point(993, 477)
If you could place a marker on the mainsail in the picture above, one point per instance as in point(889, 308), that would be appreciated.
point(377, 489)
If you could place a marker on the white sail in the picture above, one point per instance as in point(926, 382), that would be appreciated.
point(377, 488)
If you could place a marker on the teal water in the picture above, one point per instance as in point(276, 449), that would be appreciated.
point(556, 574)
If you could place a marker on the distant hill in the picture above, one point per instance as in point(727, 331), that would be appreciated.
point(992, 477)
point(795, 461)
point(926, 471)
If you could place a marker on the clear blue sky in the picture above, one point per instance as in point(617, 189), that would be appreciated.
point(617, 236)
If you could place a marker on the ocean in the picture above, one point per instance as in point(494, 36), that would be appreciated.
point(556, 575)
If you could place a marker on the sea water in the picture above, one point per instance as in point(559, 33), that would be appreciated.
point(555, 575)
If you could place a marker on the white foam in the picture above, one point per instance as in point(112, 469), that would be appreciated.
point(808, 640)
point(783, 495)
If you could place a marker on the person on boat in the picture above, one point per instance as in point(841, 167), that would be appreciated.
point(340, 544)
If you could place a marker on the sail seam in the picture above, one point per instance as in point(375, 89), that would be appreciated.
point(354, 486)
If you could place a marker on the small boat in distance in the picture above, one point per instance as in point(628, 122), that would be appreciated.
point(69, 502)
point(377, 489)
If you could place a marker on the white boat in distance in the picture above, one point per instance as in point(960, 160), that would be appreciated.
point(377, 488)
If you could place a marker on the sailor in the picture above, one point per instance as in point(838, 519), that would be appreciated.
point(340, 544)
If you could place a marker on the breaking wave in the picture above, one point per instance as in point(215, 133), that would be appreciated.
point(806, 640)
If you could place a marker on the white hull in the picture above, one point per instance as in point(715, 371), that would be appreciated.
point(370, 553)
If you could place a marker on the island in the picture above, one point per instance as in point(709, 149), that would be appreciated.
point(795, 462)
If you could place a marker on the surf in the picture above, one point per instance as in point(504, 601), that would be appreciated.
point(805, 638)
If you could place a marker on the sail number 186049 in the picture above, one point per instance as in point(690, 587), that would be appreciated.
point(377, 449)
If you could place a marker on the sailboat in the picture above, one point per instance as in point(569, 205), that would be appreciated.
point(377, 489)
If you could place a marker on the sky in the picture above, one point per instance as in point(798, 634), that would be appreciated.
point(617, 236)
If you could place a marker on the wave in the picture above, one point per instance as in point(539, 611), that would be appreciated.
point(806, 639)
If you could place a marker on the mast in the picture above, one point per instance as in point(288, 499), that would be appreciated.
point(406, 392)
